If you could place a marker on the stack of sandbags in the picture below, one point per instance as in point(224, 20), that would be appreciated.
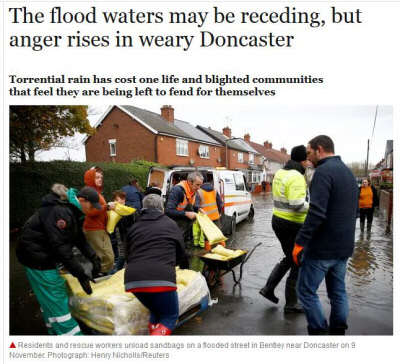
point(221, 253)
point(111, 310)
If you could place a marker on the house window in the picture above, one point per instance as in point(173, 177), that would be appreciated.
point(204, 151)
point(182, 147)
point(251, 158)
point(240, 157)
point(113, 147)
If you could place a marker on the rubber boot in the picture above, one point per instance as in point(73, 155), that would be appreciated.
point(369, 225)
point(273, 280)
point(161, 330)
point(151, 327)
point(313, 332)
point(291, 306)
point(337, 331)
point(362, 224)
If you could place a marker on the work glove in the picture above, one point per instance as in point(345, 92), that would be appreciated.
point(85, 284)
point(297, 254)
point(96, 262)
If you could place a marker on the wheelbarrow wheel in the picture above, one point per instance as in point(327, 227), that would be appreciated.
point(211, 277)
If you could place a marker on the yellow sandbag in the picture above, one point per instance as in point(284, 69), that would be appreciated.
point(229, 253)
point(211, 231)
point(219, 249)
point(215, 256)
point(124, 210)
point(115, 215)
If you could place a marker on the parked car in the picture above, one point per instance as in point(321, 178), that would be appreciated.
point(231, 185)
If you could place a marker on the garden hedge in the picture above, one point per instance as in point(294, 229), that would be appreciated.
point(30, 182)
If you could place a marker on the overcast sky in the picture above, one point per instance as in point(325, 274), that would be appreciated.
point(283, 125)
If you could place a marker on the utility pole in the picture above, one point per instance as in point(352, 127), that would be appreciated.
point(366, 164)
point(372, 135)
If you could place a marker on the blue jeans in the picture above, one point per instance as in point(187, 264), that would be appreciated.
point(312, 272)
point(163, 307)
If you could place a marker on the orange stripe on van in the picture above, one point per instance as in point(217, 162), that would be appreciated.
point(237, 203)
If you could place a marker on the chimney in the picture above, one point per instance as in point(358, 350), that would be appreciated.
point(267, 145)
point(227, 131)
point(283, 150)
point(247, 138)
point(167, 112)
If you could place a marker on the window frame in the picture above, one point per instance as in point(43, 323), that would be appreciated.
point(178, 150)
point(208, 151)
point(251, 158)
point(240, 160)
point(113, 144)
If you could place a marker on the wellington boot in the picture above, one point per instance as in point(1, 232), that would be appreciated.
point(369, 225)
point(337, 331)
point(161, 330)
point(313, 332)
point(292, 306)
point(273, 280)
point(362, 225)
point(151, 327)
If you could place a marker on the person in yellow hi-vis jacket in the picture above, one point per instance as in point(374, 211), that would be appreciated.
point(289, 190)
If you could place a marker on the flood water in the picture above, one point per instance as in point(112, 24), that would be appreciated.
point(240, 309)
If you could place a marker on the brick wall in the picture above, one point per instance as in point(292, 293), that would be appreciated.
point(166, 147)
point(133, 141)
point(233, 159)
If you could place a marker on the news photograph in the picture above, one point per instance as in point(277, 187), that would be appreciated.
point(201, 219)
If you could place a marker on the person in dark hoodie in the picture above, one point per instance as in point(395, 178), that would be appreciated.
point(289, 190)
point(47, 239)
point(155, 246)
point(95, 222)
point(326, 239)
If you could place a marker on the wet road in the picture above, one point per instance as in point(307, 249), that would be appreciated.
point(240, 309)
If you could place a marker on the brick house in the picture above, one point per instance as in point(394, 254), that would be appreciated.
point(126, 133)
point(273, 159)
point(238, 154)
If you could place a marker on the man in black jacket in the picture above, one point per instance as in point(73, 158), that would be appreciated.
point(326, 240)
point(47, 239)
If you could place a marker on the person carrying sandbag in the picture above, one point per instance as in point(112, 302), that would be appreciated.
point(47, 239)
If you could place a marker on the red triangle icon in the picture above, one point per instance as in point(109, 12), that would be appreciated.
point(12, 346)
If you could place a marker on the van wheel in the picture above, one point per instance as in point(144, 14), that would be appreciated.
point(250, 216)
point(233, 229)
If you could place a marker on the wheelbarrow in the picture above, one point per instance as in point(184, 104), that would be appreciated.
point(214, 269)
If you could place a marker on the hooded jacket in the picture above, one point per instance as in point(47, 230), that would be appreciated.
point(155, 246)
point(95, 219)
point(49, 235)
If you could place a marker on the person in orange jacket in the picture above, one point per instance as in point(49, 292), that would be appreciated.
point(210, 202)
point(367, 201)
point(94, 226)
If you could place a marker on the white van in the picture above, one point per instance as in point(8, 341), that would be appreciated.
point(231, 185)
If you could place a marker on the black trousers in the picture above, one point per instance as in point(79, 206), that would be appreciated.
point(366, 213)
point(286, 232)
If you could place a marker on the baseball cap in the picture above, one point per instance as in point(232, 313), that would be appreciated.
point(91, 195)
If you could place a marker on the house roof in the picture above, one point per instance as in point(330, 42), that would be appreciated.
point(271, 154)
point(237, 143)
point(158, 125)
point(194, 132)
point(389, 147)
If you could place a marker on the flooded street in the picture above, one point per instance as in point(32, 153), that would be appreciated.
point(240, 309)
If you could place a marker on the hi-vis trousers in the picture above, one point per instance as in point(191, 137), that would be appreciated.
point(51, 293)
